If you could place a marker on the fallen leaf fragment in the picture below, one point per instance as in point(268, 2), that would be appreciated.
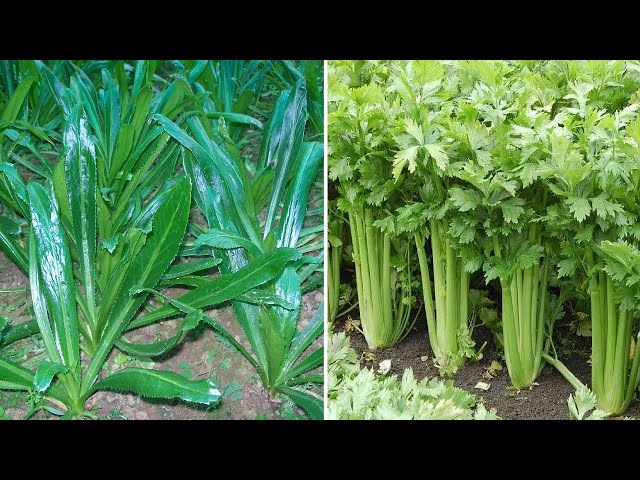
point(367, 357)
point(385, 366)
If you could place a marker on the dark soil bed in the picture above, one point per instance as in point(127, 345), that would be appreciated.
point(545, 401)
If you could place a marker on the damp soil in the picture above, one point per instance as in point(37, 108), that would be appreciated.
point(545, 401)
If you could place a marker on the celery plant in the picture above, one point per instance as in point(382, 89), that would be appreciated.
point(425, 94)
point(360, 145)
point(593, 170)
point(500, 122)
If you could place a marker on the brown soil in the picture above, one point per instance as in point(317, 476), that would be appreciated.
point(545, 401)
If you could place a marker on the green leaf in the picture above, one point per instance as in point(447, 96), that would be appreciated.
point(466, 199)
point(306, 378)
point(297, 198)
point(14, 376)
point(194, 316)
point(579, 207)
point(110, 244)
point(236, 118)
point(156, 384)
point(512, 209)
point(313, 360)
point(529, 255)
point(581, 403)
point(281, 146)
point(12, 108)
point(233, 390)
point(13, 249)
point(219, 191)
point(305, 338)
point(261, 186)
point(261, 297)
point(148, 350)
point(567, 267)
point(18, 332)
point(121, 359)
point(604, 208)
point(45, 373)
point(415, 130)
point(161, 347)
point(187, 268)
point(439, 155)
point(288, 287)
point(13, 190)
point(9, 226)
point(222, 239)
point(80, 176)
point(311, 404)
point(227, 287)
point(404, 157)
point(53, 262)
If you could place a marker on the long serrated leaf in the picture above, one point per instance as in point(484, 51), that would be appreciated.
point(254, 297)
point(226, 240)
point(80, 180)
point(310, 362)
point(288, 287)
point(305, 338)
point(306, 378)
point(221, 173)
point(13, 190)
point(311, 404)
point(54, 269)
point(160, 347)
point(12, 248)
point(297, 199)
point(194, 316)
point(283, 147)
point(9, 226)
point(13, 374)
point(236, 118)
point(18, 332)
point(261, 297)
point(187, 268)
point(157, 384)
point(270, 333)
point(45, 373)
point(229, 286)
point(12, 108)
point(50, 79)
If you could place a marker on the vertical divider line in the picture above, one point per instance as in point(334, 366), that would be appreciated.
point(326, 226)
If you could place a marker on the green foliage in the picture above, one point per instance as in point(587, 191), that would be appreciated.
point(109, 219)
point(524, 171)
point(360, 394)
point(232, 193)
point(581, 403)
